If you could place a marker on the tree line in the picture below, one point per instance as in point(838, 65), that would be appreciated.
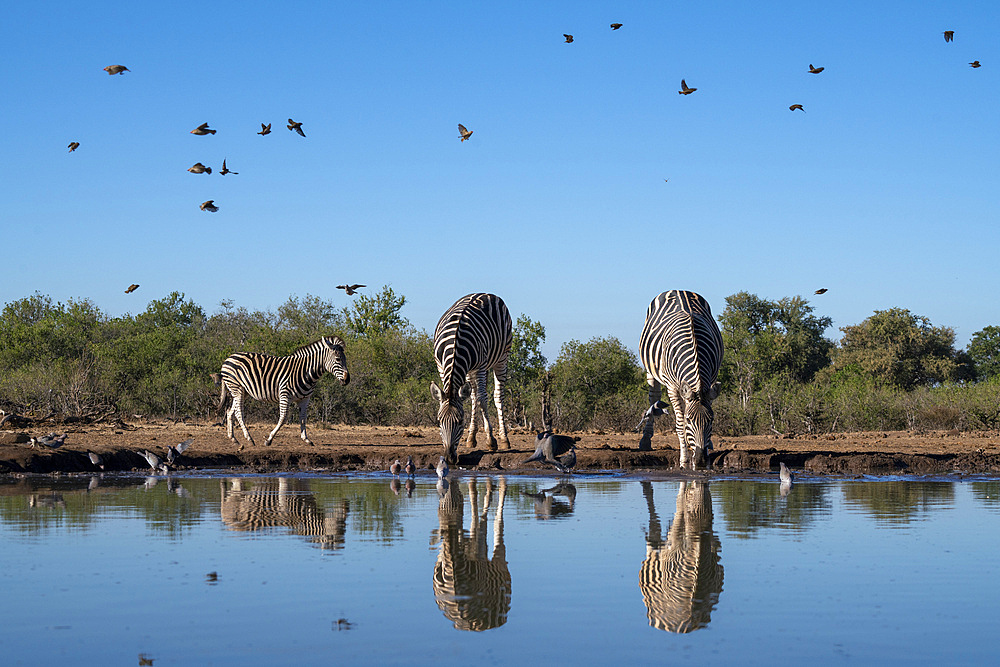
point(781, 374)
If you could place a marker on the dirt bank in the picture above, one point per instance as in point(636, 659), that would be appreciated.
point(345, 448)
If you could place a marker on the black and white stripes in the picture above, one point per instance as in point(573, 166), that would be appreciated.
point(281, 380)
point(681, 349)
point(472, 338)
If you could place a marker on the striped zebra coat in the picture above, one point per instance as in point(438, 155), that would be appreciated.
point(681, 350)
point(281, 380)
point(472, 338)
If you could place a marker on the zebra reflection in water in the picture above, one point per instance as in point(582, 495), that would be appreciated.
point(283, 502)
point(681, 578)
point(472, 587)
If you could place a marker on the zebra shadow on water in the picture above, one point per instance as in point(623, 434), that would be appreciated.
point(250, 505)
point(471, 586)
point(681, 577)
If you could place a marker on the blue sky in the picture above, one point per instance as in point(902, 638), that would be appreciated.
point(883, 191)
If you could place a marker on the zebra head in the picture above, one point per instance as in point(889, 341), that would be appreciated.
point(698, 416)
point(334, 359)
point(451, 415)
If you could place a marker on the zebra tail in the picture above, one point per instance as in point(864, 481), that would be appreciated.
point(223, 399)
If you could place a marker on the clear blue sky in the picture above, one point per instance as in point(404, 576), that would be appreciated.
point(884, 191)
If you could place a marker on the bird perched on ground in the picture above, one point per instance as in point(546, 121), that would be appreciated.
point(199, 168)
point(202, 130)
point(73, 145)
point(548, 446)
point(949, 35)
point(568, 461)
point(131, 288)
point(350, 289)
point(615, 26)
point(264, 129)
point(226, 170)
point(96, 459)
point(396, 467)
point(154, 461)
point(442, 468)
point(463, 133)
point(173, 451)
point(796, 106)
point(655, 410)
point(116, 69)
point(569, 38)
point(815, 70)
point(297, 127)
point(209, 206)
point(974, 64)
point(684, 88)
point(409, 468)
point(51, 440)
point(785, 475)
point(821, 290)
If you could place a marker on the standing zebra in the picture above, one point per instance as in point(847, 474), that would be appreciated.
point(471, 338)
point(281, 380)
point(681, 349)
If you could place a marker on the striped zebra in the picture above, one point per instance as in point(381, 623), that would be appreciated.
point(281, 380)
point(472, 338)
point(681, 349)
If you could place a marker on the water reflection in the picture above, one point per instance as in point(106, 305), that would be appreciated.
point(681, 577)
point(283, 502)
point(898, 502)
point(749, 506)
point(549, 506)
point(471, 586)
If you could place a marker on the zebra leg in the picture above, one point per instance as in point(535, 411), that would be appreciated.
point(680, 423)
point(499, 383)
point(237, 409)
point(646, 442)
point(470, 439)
point(284, 402)
point(303, 409)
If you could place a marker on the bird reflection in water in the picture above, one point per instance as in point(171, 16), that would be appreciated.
point(681, 577)
point(471, 586)
point(547, 506)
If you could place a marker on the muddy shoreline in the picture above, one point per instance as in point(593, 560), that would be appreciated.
point(349, 448)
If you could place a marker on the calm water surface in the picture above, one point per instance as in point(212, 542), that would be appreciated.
point(594, 570)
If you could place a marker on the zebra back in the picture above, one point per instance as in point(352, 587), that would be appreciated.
point(476, 332)
point(263, 376)
point(681, 342)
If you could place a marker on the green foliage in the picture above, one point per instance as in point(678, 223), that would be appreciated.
point(984, 351)
point(588, 375)
point(377, 314)
point(526, 367)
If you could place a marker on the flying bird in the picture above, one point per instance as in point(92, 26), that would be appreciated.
point(131, 288)
point(409, 468)
point(821, 290)
point(199, 168)
point(949, 35)
point(815, 70)
point(615, 26)
point(655, 410)
point(549, 446)
point(152, 459)
point(264, 129)
point(463, 133)
point(350, 289)
point(297, 127)
point(73, 145)
point(116, 69)
point(796, 107)
point(173, 451)
point(569, 38)
point(226, 170)
point(442, 468)
point(396, 467)
point(209, 206)
point(974, 64)
point(202, 130)
point(684, 88)
point(51, 440)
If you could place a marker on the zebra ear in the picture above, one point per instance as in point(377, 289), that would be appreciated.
point(436, 392)
point(465, 391)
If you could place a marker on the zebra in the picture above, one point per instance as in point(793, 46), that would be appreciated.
point(681, 349)
point(281, 380)
point(472, 337)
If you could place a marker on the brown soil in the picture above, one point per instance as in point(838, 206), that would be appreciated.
point(344, 448)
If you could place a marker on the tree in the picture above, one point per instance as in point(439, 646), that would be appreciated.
point(525, 367)
point(377, 314)
point(586, 375)
point(898, 348)
point(984, 350)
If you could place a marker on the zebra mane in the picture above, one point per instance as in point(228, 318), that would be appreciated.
point(325, 341)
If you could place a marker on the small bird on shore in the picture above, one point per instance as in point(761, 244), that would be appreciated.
point(199, 168)
point(226, 170)
point(131, 288)
point(463, 133)
point(96, 459)
point(655, 410)
point(209, 206)
point(351, 289)
point(821, 290)
point(116, 69)
point(202, 130)
point(569, 38)
point(949, 35)
point(974, 64)
point(155, 462)
point(815, 70)
point(296, 127)
point(569, 460)
point(396, 467)
point(410, 468)
point(615, 26)
point(73, 145)
point(442, 468)
point(684, 88)
point(173, 451)
point(796, 107)
point(52, 441)
point(785, 475)
point(264, 129)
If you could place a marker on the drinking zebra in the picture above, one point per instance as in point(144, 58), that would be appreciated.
point(681, 349)
point(472, 338)
point(281, 380)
